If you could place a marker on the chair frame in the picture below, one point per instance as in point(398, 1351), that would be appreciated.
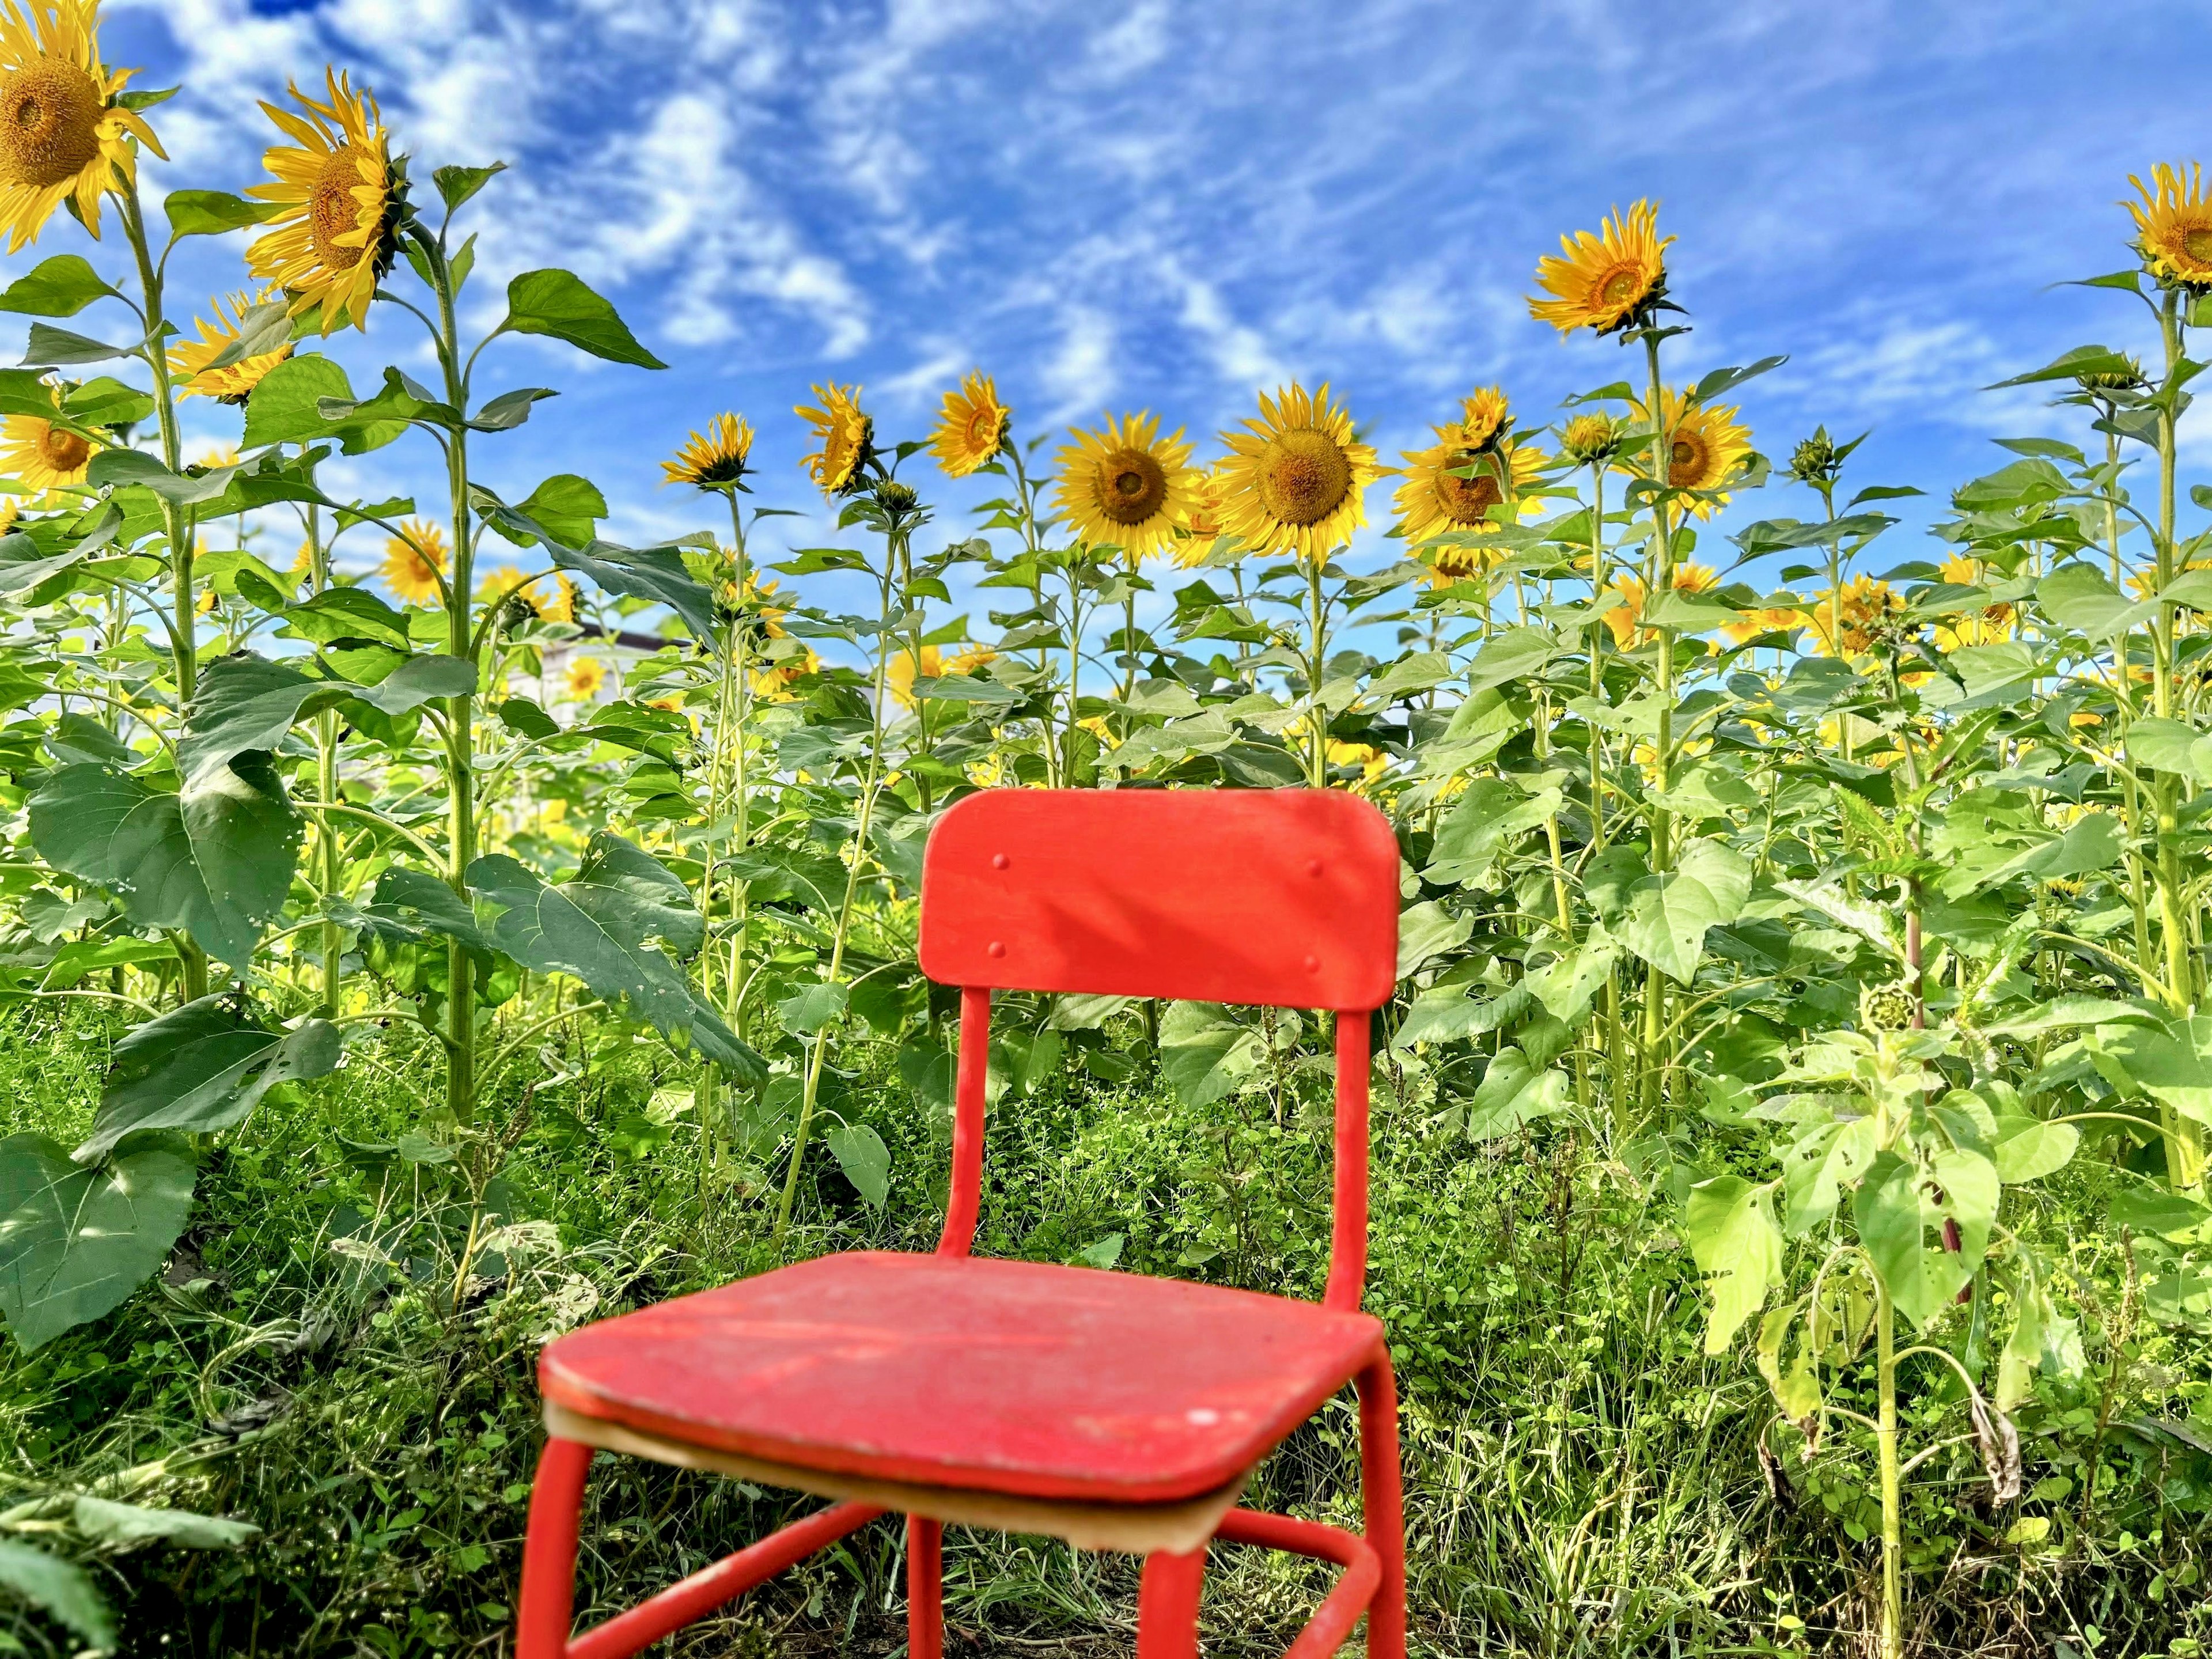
point(1373, 1582)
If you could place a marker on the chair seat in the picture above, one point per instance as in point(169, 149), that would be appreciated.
point(1007, 1377)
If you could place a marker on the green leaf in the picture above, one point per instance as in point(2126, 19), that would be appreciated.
point(2077, 596)
point(1513, 1093)
point(2155, 1211)
point(809, 1010)
point(59, 287)
point(202, 1067)
point(1818, 1166)
point(1728, 1224)
point(61, 1589)
point(417, 681)
point(2028, 1149)
point(2172, 1063)
point(212, 212)
point(1428, 930)
point(126, 1525)
point(508, 410)
point(568, 505)
point(2023, 1349)
point(409, 906)
point(607, 927)
point(657, 574)
point(558, 304)
point(349, 613)
point(1103, 1254)
point(1487, 813)
point(24, 566)
point(1667, 914)
point(121, 467)
point(1205, 1052)
point(457, 184)
point(1900, 1209)
point(1514, 653)
point(76, 1242)
point(1566, 985)
point(285, 406)
point(56, 348)
point(865, 1160)
point(2091, 842)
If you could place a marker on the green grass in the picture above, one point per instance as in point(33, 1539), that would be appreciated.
point(1581, 1479)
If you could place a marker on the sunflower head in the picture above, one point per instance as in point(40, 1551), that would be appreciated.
point(2109, 381)
point(846, 437)
point(1705, 447)
point(902, 669)
point(1610, 282)
point(1294, 480)
point(2173, 225)
point(1123, 485)
point(1591, 439)
point(1753, 623)
point(415, 560)
point(1817, 461)
point(1870, 609)
point(1485, 416)
point(714, 458)
point(1202, 521)
point(42, 454)
point(585, 676)
point(64, 135)
point(190, 360)
point(342, 201)
point(1453, 488)
point(971, 427)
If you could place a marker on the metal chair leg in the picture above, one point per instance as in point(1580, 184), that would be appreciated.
point(1382, 1498)
point(1167, 1605)
point(547, 1599)
point(925, 1587)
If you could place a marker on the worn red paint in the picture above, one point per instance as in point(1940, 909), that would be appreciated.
point(1025, 1378)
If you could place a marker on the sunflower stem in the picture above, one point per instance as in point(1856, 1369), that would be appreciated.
point(1662, 580)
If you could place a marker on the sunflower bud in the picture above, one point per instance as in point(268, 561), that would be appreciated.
point(1885, 1008)
point(895, 497)
point(1816, 460)
point(2130, 379)
point(1591, 439)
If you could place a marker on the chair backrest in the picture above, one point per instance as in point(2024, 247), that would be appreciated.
point(1285, 897)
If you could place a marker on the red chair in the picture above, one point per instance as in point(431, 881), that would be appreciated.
point(1111, 1410)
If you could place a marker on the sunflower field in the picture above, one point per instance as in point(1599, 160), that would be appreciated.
point(427, 925)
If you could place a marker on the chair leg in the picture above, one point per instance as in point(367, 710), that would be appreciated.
point(1383, 1497)
point(547, 1599)
point(1167, 1605)
point(925, 1587)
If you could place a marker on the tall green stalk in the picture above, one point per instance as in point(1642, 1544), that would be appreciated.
point(1661, 581)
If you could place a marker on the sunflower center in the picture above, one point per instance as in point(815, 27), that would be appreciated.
point(49, 122)
point(983, 429)
point(1621, 284)
point(1133, 487)
point(1687, 461)
point(2197, 243)
point(1303, 476)
point(332, 211)
point(1467, 501)
point(65, 452)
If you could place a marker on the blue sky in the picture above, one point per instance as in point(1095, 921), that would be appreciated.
point(1165, 205)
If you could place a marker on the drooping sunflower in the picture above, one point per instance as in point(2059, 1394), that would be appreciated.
point(344, 203)
point(846, 433)
point(1201, 521)
point(559, 605)
point(190, 360)
point(1608, 282)
point(2173, 225)
point(585, 676)
point(62, 132)
point(1124, 485)
point(414, 560)
point(1451, 487)
point(714, 458)
point(1705, 446)
point(971, 427)
point(1485, 416)
point(41, 455)
point(1294, 480)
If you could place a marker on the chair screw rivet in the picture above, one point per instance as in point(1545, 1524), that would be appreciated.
point(999, 860)
point(1313, 964)
point(995, 948)
point(1313, 867)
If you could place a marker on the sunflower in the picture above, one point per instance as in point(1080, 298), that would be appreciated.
point(1867, 605)
point(1778, 619)
point(562, 606)
point(1705, 446)
point(1591, 439)
point(900, 673)
point(62, 133)
point(1627, 618)
point(1125, 486)
point(759, 600)
point(1612, 281)
point(1293, 479)
point(776, 681)
point(41, 455)
point(847, 436)
point(414, 559)
point(971, 427)
point(189, 362)
point(1485, 416)
point(1201, 521)
point(714, 458)
point(343, 203)
point(1450, 489)
point(1988, 626)
point(2173, 225)
point(585, 676)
